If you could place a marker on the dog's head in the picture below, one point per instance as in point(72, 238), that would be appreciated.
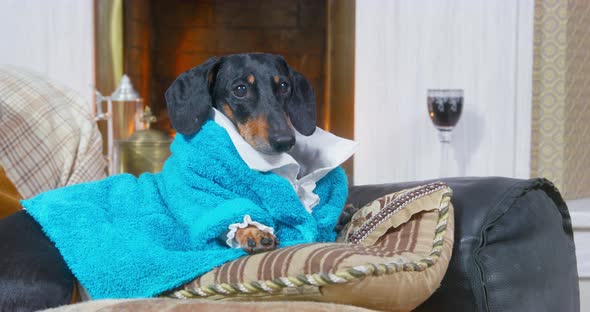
point(259, 93)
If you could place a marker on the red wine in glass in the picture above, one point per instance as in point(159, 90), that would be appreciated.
point(444, 109)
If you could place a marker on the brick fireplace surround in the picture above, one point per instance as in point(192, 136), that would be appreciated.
point(162, 39)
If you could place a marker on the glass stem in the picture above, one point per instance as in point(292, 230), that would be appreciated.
point(445, 140)
point(444, 163)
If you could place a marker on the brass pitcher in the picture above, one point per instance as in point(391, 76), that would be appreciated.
point(144, 151)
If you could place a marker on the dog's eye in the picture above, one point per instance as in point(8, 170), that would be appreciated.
point(240, 91)
point(283, 87)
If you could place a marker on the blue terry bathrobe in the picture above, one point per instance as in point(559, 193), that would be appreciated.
point(128, 237)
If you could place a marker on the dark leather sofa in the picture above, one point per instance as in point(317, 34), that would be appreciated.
point(513, 251)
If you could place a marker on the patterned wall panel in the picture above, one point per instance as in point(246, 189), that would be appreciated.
point(549, 69)
point(560, 136)
point(577, 126)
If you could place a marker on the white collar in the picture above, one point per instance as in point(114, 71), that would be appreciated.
point(312, 158)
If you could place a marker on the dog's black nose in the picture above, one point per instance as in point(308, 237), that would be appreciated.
point(282, 143)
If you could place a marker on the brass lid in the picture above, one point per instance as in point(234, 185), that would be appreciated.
point(149, 136)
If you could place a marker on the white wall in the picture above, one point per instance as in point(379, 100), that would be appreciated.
point(405, 47)
point(584, 299)
point(54, 38)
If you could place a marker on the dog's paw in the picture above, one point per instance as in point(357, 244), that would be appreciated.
point(253, 240)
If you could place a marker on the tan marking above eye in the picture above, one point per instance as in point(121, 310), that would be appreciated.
point(228, 112)
point(276, 79)
point(250, 79)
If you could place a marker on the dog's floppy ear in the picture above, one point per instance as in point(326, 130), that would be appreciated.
point(188, 98)
point(301, 106)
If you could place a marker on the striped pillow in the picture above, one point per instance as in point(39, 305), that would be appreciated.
point(391, 256)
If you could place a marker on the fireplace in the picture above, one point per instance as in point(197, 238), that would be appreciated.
point(162, 39)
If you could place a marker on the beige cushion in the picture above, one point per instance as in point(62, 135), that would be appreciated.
point(393, 256)
point(170, 305)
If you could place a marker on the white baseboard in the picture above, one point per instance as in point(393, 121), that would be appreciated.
point(580, 214)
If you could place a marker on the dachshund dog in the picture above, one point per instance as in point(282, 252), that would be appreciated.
point(263, 97)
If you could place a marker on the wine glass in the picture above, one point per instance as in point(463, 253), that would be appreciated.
point(444, 109)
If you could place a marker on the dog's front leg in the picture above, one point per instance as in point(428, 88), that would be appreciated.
point(254, 240)
point(251, 236)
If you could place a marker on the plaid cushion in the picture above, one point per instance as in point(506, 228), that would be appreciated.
point(394, 254)
point(49, 138)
